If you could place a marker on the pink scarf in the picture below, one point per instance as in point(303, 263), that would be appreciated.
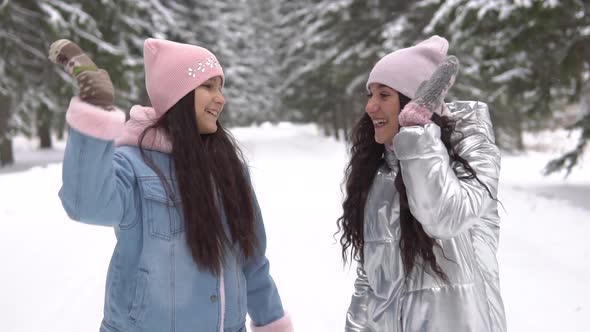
point(140, 118)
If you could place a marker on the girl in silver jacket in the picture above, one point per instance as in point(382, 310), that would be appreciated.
point(420, 214)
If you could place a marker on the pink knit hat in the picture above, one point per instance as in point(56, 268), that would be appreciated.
point(173, 69)
point(404, 70)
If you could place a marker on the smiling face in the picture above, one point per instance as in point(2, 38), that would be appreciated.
point(383, 107)
point(209, 103)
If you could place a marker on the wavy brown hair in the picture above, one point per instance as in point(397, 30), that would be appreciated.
point(366, 158)
point(210, 172)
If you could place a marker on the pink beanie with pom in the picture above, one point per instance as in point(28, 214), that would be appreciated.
point(173, 69)
point(404, 70)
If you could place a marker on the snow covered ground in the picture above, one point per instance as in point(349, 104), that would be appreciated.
point(53, 269)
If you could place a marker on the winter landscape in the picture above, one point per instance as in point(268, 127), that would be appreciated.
point(304, 61)
point(54, 269)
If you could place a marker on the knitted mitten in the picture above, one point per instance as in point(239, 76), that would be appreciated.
point(95, 84)
point(430, 94)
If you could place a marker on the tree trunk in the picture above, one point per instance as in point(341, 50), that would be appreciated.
point(335, 122)
point(518, 131)
point(44, 137)
point(60, 129)
point(44, 134)
point(6, 155)
point(350, 113)
point(44, 116)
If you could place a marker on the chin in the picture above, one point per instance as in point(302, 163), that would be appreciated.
point(384, 140)
point(208, 131)
point(379, 139)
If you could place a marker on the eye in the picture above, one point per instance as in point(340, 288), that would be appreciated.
point(384, 95)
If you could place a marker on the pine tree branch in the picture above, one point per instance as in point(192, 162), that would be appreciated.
point(570, 159)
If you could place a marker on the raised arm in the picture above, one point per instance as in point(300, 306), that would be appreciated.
point(444, 203)
point(98, 184)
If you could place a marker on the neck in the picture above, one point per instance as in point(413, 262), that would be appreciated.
point(390, 158)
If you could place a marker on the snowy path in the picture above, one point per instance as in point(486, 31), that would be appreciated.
point(27, 155)
point(53, 269)
point(24, 161)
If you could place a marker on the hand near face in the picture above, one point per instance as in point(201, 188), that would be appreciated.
point(430, 94)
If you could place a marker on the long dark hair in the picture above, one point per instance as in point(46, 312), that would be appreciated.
point(210, 172)
point(366, 158)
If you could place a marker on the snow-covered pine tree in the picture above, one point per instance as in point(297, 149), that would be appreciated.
point(261, 81)
point(514, 56)
point(113, 32)
point(575, 61)
point(234, 31)
point(243, 50)
point(327, 58)
point(27, 94)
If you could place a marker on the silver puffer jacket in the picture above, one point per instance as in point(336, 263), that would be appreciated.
point(455, 211)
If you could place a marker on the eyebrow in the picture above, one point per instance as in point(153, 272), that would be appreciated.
point(378, 86)
point(212, 80)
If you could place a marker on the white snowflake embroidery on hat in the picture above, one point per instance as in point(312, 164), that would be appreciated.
point(201, 67)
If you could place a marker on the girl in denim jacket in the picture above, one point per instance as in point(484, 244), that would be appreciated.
point(190, 253)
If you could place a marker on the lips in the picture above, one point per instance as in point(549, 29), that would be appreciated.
point(213, 112)
point(379, 122)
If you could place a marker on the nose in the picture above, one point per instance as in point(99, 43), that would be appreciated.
point(372, 106)
point(219, 98)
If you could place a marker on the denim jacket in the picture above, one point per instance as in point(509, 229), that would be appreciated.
point(153, 283)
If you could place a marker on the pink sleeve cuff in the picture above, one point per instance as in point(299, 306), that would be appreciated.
point(414, 115)
point(283, 324)
point(95, 121)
